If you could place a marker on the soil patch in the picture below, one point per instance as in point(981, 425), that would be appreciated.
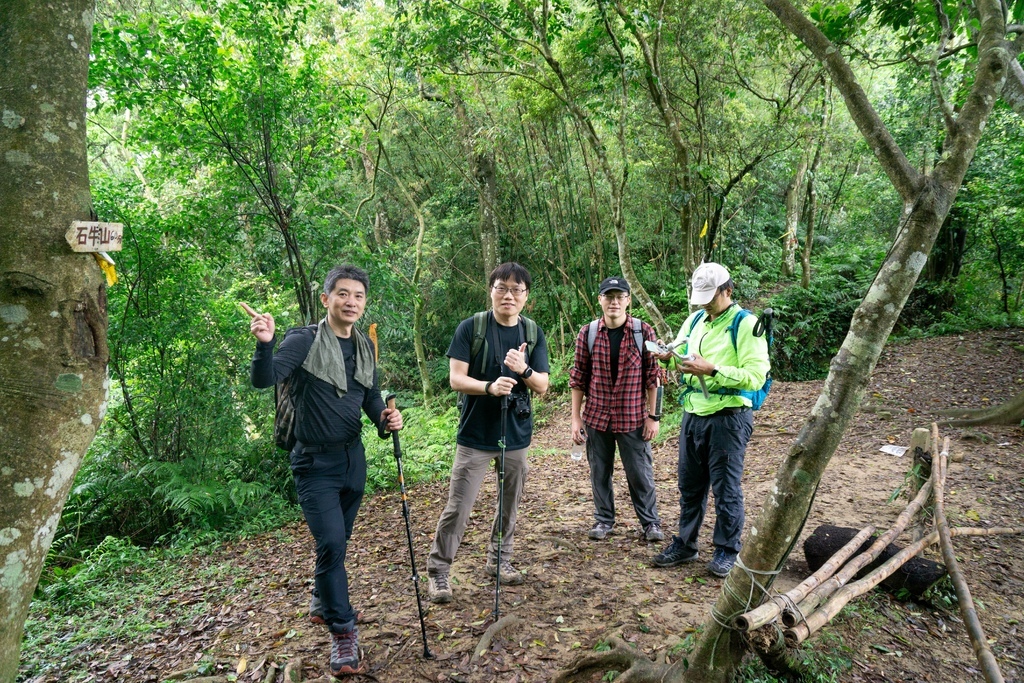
point(579, 590)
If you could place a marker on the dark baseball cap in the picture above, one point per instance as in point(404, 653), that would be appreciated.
point(615, 282)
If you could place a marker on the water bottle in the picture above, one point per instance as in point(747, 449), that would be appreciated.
point(577, 450)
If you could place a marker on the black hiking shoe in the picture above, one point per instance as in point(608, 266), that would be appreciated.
point(345, 651)
point(722, 562)
point(600, 531)
point(675, 554)
point(653, 533)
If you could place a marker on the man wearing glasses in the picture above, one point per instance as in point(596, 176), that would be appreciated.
point(618, 383)
point(493, 354)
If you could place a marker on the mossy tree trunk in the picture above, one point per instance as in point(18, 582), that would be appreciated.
point(53, 348)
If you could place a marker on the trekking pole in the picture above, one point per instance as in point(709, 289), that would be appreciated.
point(501, 506)
point(390, 400)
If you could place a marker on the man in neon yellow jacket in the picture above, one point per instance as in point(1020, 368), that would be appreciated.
point(731, 359)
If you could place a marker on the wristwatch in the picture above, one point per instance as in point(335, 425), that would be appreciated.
point(656, 418)
point(525, 374)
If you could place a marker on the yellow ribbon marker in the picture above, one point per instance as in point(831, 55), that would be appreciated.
point(107, 266)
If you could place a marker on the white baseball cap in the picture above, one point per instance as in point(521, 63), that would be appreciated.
point(706, 280)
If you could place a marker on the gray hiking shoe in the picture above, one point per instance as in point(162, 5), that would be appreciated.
point(439, 589)
point(509, 575)
point(653, 532)
point(722, 562)
point(600, 531)
point(345, 651)
point(316, 610)
point(675, 554)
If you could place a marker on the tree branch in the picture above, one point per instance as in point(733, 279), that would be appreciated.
point(904, 177)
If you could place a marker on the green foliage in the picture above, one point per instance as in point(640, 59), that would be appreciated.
point(249, 145)
point(428, 448)
point(826, 661)
point(810, 324)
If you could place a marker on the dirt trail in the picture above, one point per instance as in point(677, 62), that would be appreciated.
point(579, 590)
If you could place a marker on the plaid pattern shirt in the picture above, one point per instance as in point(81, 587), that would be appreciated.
point(614, 404)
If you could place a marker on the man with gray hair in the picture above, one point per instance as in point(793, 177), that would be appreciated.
point(333, 374)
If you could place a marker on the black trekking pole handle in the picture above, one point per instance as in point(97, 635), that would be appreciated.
point(764, 323)
point(427, 654)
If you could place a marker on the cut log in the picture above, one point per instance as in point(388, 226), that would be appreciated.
point(767, 612)
point(916, 576)
point(792, 615)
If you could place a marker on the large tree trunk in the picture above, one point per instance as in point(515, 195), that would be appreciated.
point(53, 356)
point(927, 199)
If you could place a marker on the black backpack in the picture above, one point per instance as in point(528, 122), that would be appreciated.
point(285, 401)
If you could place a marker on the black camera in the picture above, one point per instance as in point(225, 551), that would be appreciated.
point(520, 405)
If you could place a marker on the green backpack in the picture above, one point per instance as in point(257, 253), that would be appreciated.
point(480, 340)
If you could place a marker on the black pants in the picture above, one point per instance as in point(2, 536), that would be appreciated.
point(637, 463)
point(711, 451)
point(330, 487)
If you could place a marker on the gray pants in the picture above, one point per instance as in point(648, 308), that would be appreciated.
point(711, 451)
point(468, 473)
point(638, 464)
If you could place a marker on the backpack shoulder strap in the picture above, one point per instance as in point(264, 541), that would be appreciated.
point(591, 335)
point(638, 337)
point(696, 319)
point(530, 326)
point(734, 328)
point(479, 338)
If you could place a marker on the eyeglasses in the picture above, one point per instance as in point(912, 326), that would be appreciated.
point(502, 290)
point(621, 296)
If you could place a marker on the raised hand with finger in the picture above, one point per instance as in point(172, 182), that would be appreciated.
point(262, 324)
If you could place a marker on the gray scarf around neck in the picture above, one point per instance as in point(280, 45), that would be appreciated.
point(325, 361)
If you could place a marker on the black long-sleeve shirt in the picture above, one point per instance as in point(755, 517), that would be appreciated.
point(322, 417)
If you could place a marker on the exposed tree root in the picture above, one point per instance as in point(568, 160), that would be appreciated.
point(293, 671)
point(1009, 413)
point(506, 622)
point(636, 667)
point(559, 542)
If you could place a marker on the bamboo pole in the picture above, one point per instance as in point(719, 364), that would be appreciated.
point(791, 616)
point(986, 659)
point(821, 616)
point(767, 612)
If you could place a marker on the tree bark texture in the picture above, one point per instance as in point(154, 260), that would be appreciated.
point(927, 199)
point(53, 317)
point(789, 239)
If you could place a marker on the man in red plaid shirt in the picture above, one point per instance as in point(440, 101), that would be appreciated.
point(613, 383)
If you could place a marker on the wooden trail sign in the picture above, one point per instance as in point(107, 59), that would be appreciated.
point(85, 236)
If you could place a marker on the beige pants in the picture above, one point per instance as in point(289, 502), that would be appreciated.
point(468, 473)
